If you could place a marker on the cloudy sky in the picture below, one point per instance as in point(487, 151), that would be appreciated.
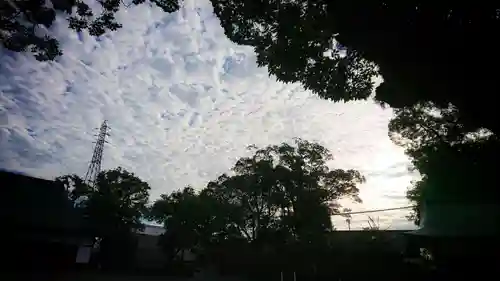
point(183, 103)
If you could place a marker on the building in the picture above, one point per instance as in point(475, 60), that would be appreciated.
point(44, 229)
point(391, 240)
point(149, 255)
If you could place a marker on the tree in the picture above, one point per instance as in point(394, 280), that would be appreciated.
point(278, 205)
point(118, 203)
point(285, 190)
point(273, 209)
point(75, 186)
point(188, 218)
point(443, 99)
point(455, 165)
point(113, 209)
point(338, 46)
point(25, 24)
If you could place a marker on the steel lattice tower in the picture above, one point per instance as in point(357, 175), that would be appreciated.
point(95, 164)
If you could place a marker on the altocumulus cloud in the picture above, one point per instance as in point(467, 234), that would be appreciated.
point(183, 103)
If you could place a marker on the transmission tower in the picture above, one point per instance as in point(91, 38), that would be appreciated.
point(95, 163)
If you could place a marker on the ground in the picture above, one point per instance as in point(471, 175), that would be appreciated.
point(104, 277)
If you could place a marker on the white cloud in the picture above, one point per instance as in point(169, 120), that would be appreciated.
point(183, 103)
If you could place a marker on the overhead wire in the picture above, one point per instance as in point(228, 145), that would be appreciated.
point(373, 211)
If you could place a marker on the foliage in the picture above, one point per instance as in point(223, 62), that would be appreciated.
point(334, 48)
point(455, 164)
point(442, 98)
point(278, 200)
point(280, 30)
point(285, 187)
point(117, 203)
point(113, 210)
point(75, 186)
point(372, 224)
point(25, 24)
point(189, 220)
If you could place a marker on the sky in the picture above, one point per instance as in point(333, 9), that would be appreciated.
point(183, 104)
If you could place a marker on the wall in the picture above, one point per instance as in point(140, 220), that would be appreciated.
point(148, 254)
point(391, 240)
point(359, 255)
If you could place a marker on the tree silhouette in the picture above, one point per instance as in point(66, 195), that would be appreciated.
point(274, 208)
point(25, 24)
point(455, 164)
point(190, 219)
point(334, 48)
point(444, 98)
point(113, 210)
point(77, 189)
point(285, 187)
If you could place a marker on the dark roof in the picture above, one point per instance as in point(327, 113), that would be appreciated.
point(34, 203)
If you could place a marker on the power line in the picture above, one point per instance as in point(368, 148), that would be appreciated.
point(373, 211)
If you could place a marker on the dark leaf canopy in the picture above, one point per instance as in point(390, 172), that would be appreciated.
point(25, 24)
